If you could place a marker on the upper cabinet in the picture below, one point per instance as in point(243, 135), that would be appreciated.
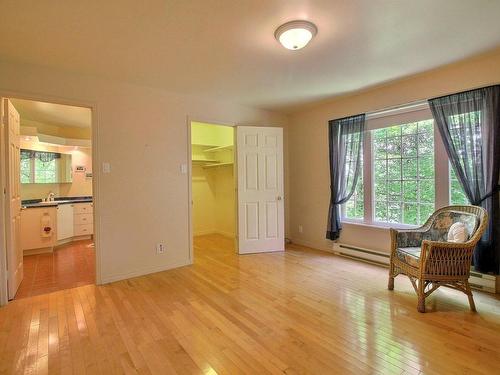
point(44, 167)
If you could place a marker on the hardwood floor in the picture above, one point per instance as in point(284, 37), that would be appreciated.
point(298, 312)
point(69, 266)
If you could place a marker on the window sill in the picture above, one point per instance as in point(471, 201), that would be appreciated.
point(378, 225)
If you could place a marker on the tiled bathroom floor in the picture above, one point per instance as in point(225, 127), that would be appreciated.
point(67, 267)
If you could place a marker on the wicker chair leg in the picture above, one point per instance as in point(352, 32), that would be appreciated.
point(390, 283)
point(469, 295)
point(421, 297)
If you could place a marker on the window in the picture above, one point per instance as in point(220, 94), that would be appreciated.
point(401, 174)
point(45, 171)
point(403, 165)
point(39, 167)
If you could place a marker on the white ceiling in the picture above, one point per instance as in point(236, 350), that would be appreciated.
point(226, 49)
point(54, 114)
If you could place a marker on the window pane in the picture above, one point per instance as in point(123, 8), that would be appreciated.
point(354, 208)
point(403, 173)
point(45, 172)
point(26, 177)
point(457, 195)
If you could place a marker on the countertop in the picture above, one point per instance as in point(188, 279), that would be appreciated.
point(33, 203)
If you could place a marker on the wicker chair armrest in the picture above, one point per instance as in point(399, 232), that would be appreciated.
point(445, 244)
point(408, 237)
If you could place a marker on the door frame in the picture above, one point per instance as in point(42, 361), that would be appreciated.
point(95, 180)
point(189, 120)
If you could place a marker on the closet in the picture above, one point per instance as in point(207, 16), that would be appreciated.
point(213, 182)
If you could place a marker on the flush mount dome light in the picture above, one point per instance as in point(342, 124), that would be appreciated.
point(295, 34)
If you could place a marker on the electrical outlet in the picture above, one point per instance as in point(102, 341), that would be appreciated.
point(160, 248)
point(301, 229)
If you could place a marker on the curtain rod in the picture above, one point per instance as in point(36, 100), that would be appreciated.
point(415, 105)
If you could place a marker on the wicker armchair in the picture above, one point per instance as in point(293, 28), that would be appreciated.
point(424, 255)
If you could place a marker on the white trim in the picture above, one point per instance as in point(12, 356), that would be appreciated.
point(3, 252)
point(400, 115)
point(405, 108)
point(378, 224)
point(143, 271)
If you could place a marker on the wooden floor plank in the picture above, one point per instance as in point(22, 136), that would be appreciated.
point(298, 312)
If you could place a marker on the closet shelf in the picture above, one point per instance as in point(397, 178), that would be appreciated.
point(218, 148)
point(205, 161)
point(217, 165)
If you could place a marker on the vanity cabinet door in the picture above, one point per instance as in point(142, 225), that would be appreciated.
point(65, 220)
point(33, 221)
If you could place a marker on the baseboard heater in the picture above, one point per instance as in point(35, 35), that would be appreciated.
point(477, 280)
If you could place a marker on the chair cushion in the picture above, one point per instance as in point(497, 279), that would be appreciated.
point(458, 233)
point(444, 220)
point(409, 255)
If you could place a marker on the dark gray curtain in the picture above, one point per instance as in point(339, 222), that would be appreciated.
point(346, 142)
point(469, 124)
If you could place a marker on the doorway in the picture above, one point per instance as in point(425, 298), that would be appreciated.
point(213, 186)
point(237, 189)
point(49, 210)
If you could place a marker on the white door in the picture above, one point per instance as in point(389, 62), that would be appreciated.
point(261, 223)
point(13, 199)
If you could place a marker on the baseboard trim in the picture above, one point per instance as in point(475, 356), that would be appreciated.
point(208, 232)
point(41, 250)
point(106, 279)
point(478, 281)
point(312, 245)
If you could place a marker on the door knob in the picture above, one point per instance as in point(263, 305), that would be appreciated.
point(279, 197)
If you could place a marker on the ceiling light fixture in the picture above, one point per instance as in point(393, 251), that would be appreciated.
point(295, 34)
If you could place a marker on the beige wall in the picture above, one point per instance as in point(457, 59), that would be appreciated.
point(143, 134)
point(308, 159)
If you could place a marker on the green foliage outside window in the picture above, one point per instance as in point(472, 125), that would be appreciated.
point(457, 195)
point(354, 207)
point(26, 177)
point(45, 172)
point(403, 160)
point(34, 170)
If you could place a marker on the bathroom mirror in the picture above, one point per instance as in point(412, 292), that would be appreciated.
point(44, 167)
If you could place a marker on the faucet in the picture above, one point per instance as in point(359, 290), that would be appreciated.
point(50, 197)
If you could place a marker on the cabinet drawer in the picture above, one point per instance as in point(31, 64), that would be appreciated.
point(83, 219)
point(83, 230)
point(83, 208)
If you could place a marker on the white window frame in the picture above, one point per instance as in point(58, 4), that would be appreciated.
point(402, 115)
point(33, 172)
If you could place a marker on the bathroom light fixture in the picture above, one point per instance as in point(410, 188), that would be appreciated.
point(295, 34)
